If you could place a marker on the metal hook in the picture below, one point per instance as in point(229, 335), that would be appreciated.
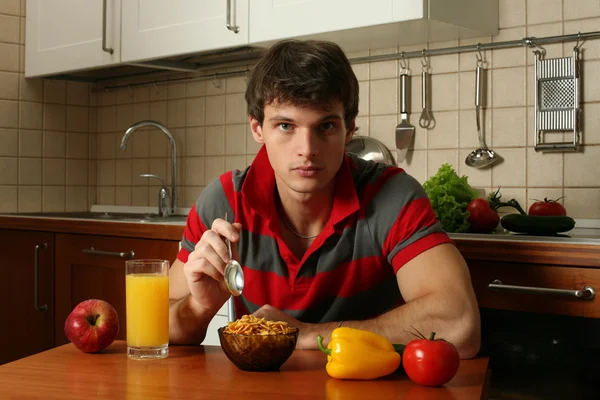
point(156, 87)
point(579, 42)
point(403, 63)
point(479, 56)
point(216, 83)
point(539, 50)
point(130, 91)
point(424, 61)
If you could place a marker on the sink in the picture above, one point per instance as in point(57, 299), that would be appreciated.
point(107, 216)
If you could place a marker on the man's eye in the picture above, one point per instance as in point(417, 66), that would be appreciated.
point(285, 127)
point(327, 126)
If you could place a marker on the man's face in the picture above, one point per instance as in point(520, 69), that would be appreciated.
point(306, 145)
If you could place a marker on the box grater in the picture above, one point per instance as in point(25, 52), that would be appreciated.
point(557, 103)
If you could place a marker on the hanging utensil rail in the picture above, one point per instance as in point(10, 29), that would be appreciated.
point(531, 42)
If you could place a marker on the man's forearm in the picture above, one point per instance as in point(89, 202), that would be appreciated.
point(188, 321)
point(454, 321)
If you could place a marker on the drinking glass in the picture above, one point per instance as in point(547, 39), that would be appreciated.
point(147, 308)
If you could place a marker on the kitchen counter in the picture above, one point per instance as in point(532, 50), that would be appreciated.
point(205, 372)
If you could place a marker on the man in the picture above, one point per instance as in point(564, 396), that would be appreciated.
point(324, 238)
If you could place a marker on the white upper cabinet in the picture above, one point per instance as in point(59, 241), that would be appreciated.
point(360, 25)
point(157, 28)
point(67, 35)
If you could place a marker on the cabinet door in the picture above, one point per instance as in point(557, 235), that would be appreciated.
point(83, 273)
point(66, 35)
point(279, 19)
point(157, 28)
point(26, 303)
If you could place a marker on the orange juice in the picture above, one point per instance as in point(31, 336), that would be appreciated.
point(147, 303)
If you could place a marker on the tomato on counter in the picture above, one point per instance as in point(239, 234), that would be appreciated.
point(547, 208)
point(430, 362)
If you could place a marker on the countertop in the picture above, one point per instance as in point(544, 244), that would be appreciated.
point(204, 372)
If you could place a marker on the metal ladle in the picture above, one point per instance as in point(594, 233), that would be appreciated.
point(483, 156)
point(233, 274)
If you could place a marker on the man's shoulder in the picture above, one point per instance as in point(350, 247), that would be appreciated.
point(372, 176)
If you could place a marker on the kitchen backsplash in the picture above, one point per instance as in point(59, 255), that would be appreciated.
point(45, 142)
point(52, 132)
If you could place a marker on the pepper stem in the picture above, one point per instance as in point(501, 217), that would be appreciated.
point(399, 348)
point(432, 336)
point(321, 347)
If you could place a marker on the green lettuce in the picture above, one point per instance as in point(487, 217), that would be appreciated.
point(449, 195)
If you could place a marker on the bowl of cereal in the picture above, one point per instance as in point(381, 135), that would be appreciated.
point(255, 344)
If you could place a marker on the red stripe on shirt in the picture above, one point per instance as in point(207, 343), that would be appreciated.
point(194, 228)
point(418, 247)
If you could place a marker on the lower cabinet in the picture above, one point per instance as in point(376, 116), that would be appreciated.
point(26, 293)
point(93, 267)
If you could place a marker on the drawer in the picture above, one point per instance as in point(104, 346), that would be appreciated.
point(530, 277)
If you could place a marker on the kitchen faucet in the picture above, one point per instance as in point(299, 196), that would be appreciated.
point(166, 131)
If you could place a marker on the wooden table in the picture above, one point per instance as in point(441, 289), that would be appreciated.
point(203, 372)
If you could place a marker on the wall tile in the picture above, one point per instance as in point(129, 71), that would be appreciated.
point(30, 198)
point(447, 84)
point(9, 142)
point(235, 139)
point(123, 196)
point(139, 196)
point(10, 7)
point(176, 91)
point(236, 84)
point(214, 166)
point(436, 158)
point(215, 140)
point(509, 87)
point(77, 145)
point(511, 172)
point(106, 173)
point(194, 171)
point(580, 9)
point(511, 13)
point(582, 203)
point(478, 177)
point(195, 89)
point(158, 112)
point(124, 117)
point(445, 133)
point(579, 167)
point(9, 84)
point(383, 97)
point(158, 144)
point(415, 164)
point(106, 195)
point(138, 167)
point(55, 91)
point(194, 139)
point(543, 11)
point(9, 114)
point(30, 143)
point(76, 198)
point(54, 144)
point(8, 166)
point(53, 198)
point(235, 162)
point(176, 113)
point(235, 109)
point(591, 49)
point(382, 128)
point(77, 172)
point(8, 199)
point(191, 195)
point(195, 109)
point(9, 57)
point(30, 171)
point(544, 169)
point(78, 94)
point(509, 127)
point(31, 89)
point(30, 114)
point(53, 171)
point(215, 110)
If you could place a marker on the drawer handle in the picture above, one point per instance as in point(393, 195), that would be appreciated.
point(104, 48)
point(128, 255)
point(36, 277)
point(587, 293)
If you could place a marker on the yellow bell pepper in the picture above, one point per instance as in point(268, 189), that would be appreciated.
point(359, 354)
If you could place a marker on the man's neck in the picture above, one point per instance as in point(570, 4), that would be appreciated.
point(306, 214)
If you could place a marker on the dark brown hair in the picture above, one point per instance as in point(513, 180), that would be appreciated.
point(302, 73)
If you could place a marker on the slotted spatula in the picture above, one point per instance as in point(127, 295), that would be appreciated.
point(404, 130)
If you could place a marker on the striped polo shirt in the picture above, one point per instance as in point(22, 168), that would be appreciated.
point(381, 218)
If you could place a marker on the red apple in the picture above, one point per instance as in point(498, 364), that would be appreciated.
point(92, 325)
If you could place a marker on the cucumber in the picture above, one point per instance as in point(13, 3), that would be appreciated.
point(537, 224)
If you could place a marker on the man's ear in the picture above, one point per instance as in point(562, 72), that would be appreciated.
point(256, 129)
point(350, 130)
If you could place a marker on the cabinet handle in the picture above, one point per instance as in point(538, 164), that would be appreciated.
point(124, 254)
point(230, 23)
point(587, 293)
point(104, 48)
point(36, 277)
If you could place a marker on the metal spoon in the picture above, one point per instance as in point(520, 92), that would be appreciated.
point(483, 156)
point(233, 274)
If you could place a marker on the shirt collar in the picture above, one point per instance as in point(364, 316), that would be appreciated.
point(259, 188)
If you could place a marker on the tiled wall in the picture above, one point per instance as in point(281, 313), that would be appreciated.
point(44, 131)
point(208, 120)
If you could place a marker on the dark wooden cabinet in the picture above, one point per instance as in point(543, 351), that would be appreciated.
point(93, 267)
point(26, 295)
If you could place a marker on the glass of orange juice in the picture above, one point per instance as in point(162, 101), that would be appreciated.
point(147, 308)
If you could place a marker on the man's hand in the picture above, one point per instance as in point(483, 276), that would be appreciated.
point(306, 339)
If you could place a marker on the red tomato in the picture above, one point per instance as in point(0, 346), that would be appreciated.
point(481, 216)
point(547, 207)
point(430, 362)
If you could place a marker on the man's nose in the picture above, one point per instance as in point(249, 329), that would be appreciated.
point(308, 142)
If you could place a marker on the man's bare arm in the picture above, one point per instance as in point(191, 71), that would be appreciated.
point(436, 286)
point(188, 320)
